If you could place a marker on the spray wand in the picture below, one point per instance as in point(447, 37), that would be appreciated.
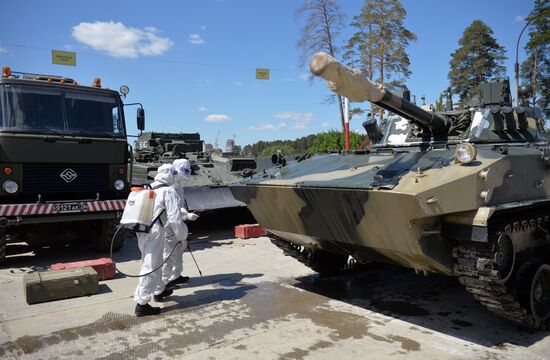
point(197, 265)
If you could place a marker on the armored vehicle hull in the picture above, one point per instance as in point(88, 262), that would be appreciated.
point(201, 194)
point(462, 193)
point(207, 189)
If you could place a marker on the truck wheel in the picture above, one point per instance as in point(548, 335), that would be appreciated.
point(106, 233)
point(2, 244)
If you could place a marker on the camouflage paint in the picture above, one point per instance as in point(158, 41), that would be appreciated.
point(395, 203)
point(335, 201)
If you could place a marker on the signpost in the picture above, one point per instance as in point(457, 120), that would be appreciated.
point(346, 117)
point(262, 74)
point(63, 58)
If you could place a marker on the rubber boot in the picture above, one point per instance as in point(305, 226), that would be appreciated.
point(144, 310)
point(177, 281)
point(163, 295)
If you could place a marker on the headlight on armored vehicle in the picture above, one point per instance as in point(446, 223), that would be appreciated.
point(10, 186)
point(465, 153)
point(119, 185)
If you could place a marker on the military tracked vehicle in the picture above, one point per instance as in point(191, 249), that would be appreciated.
point(210, 173)
point(464, 193)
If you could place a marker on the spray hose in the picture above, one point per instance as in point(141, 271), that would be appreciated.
point(152, 271)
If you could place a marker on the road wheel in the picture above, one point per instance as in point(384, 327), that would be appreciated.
point(2, 244)
point(505, 257)
point(534, 291)
point(539, 294)
point(540, 298)
point(107, 230)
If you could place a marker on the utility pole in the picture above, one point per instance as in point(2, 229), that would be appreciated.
point(516, 65)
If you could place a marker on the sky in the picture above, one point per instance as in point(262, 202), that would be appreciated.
point(192, 64)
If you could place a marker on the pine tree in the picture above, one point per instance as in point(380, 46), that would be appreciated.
point(478, 59)
point(323, 25)
point(535, 70)
point(439, 105)
point(378, 47)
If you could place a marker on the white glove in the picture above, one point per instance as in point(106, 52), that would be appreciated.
point(183, 244)
point(192, 216)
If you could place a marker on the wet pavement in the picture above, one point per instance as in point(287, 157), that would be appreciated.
point(255, 303)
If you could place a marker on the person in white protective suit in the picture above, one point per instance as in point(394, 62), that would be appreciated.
point(171, 272)
point(151, 244)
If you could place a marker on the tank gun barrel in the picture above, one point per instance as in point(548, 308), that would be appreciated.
point(353, 85)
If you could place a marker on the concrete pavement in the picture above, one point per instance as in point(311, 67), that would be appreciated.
point(255, 303)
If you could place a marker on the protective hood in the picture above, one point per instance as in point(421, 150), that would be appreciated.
point(183, 168)
point(166, 175)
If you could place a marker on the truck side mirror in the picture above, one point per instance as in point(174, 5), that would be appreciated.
point(140, 119)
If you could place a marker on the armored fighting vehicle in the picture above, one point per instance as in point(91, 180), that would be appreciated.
point(210, 174)
point(63, 159)
point(462, 192)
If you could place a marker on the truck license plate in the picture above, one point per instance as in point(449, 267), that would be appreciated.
point(68, 207)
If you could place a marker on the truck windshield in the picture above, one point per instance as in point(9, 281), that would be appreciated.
point(36, 109)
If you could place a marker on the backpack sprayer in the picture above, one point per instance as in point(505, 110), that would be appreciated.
point(138, 218)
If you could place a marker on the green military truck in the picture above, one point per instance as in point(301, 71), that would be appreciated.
point(63, 160)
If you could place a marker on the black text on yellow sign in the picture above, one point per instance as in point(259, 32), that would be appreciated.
point(262, 74)
point(63, 58)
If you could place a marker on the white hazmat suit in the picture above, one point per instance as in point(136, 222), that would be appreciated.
point(173, 267)
point(183, 167)
point(151, 244)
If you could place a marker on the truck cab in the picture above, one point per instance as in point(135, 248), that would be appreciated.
point(63, 160)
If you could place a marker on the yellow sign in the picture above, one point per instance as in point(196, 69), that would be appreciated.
point(262, 74)
point(63, 58)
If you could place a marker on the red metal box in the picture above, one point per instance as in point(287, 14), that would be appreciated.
point(247, 231)
point(104, 267)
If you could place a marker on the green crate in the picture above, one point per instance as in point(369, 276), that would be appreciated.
point(60, 284)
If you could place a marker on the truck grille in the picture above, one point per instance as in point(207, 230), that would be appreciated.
point(51, 178)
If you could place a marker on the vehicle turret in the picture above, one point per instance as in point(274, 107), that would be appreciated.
point(152, 146)
point(488, 117)
point(356, 87)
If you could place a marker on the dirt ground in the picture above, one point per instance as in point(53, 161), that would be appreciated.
point(252, 302)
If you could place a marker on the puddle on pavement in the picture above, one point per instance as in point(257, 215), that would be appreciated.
point(406, 343)
point(461, 323)
point(401, 308)
point(338, 288)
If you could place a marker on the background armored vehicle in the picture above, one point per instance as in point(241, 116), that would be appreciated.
point(210, 173)
point(463, 193)
point(64, 160)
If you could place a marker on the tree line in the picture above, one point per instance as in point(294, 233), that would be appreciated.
point(377, 49)
point(378, 46)
point(312, 144)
